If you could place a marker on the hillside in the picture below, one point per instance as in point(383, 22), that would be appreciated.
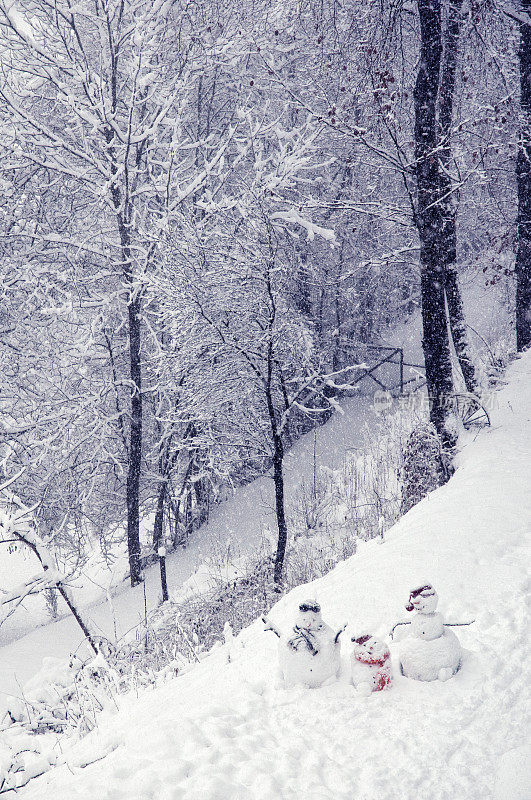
point(236, 527)
point(223, 729)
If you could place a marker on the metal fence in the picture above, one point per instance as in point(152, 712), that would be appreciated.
point(382, 365)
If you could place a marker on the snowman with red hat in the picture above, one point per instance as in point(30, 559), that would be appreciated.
point(370, 664)
point(432, 652)
point(309, 653)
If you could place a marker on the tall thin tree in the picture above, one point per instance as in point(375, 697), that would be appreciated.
point(429, 217)
point(523, 181)
point(448, 246)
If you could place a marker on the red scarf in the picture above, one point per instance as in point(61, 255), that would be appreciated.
point(376, 662)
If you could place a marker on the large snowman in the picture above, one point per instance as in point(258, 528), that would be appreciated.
point(309, 654)
point(431, 652)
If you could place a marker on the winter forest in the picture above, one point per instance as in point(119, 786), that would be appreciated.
point(265, 316)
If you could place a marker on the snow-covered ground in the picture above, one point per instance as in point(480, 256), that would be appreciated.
point(225, 731)
point(237, 525)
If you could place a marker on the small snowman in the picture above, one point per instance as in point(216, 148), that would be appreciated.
point(309, 654)
point(432, 652)
point(370, 664)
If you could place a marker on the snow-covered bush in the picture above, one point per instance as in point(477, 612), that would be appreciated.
point(159, 649)
point(357, 501)
point(23, 757)
point(199, 622)
point(423, 467)
point(493, 361)
point(63, 696)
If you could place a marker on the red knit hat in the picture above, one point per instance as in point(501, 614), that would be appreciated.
point(426, 591)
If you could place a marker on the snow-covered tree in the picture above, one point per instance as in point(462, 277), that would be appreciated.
point(98, 96)
point(523, 179)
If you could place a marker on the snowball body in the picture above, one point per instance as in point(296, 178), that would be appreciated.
point(309, 654)
point(430, 659)
point(427, 626)
point(302, 666)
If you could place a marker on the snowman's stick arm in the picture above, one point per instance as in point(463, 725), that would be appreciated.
point(458, 624)
point(269, 626)
point(338, 634)
point(396, 626)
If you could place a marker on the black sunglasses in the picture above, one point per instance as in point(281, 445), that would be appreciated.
point(315, 607)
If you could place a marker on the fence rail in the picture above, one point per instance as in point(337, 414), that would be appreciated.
point(378, 357)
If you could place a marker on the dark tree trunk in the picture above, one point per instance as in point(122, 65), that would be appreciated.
point(303, 294)
point(134, 306)
point(163, 579)
point(278, 479)
point(435, 341)
point(448, 247)
point(523, 179)
point(336, 353)
point(198, 485)
point(63, 592)
point(182, 510)
point(159, 515)
point(202, 498)
point(187, 514)
point(158, 543)
point(278, 475)
point(135, 444)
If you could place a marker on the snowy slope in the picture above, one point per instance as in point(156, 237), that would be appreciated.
point(222, 731)
point(237, 525)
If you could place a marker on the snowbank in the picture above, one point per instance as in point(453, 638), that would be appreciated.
point(236, 529)
point(223, 731)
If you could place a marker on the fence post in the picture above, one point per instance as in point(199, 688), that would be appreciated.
point(401, 370)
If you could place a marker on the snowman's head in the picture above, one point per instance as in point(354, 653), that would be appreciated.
point(309, 616)
point(423, 599)
point(369, 648)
